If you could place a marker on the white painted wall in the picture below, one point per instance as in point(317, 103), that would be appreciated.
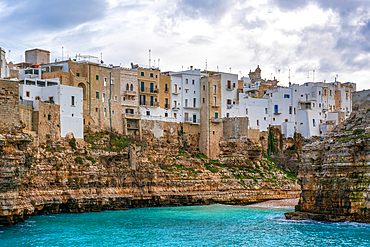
point(226, 94)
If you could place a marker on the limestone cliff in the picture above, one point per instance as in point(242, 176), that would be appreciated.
point(335, 174)
point(108, 172)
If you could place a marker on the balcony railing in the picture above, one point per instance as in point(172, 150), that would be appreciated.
point(191, 120)
point(167, 106)
point(131, 115)
point(149, 90)
point(175, 108)
point(128, 92)
point(176, 92)
point(150, 104)
point(216, 120)
point(130, 102)
point(191, 107)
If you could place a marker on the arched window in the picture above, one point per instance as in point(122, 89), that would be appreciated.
point(37, 98)
point(82, 85)
point(131, 87)
point(127, 87)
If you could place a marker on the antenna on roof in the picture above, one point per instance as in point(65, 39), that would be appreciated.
point(217, 69)
point(313, 75)
point(154, 63)
point(206, 64)
point(158, 62)
point(150, 51)
point(230, 70)
point(62, 52)
point(289, 75)
point(308, 75)
point(9, 55)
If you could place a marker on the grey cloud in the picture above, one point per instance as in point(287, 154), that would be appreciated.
point(200, 40)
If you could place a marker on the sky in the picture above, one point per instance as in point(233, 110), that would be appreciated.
point(314, 39)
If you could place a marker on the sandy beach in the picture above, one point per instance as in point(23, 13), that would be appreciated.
point(285, 203)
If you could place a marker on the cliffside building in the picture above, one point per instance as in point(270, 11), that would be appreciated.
point(4, 70)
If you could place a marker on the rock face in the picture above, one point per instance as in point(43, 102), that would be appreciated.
point(107, 173)
point(335, 174)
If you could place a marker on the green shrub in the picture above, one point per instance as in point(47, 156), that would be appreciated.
point(79, 160)
point(72, 143)
point(91, 159)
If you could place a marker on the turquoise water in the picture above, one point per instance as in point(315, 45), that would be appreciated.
point(213, 225)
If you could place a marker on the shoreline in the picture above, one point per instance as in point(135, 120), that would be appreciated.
point(279, 204)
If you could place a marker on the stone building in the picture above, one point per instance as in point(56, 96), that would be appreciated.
point(9, 103)
point(37, 56)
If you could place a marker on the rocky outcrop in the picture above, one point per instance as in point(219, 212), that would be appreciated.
point(109, 173)
point(335, 174)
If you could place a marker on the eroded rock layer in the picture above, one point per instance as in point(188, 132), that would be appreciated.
point(335, 174)
point(107, 173)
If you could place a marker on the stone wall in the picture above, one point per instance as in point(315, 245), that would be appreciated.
point(235, 128)
point(361, 100)
point(25, 115)
point(47, 122)
point(9, 103)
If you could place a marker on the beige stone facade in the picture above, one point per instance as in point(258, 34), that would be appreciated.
point(37, 56)
point(211, 128)
point(26, 116)
point(9, 103)
point(164, 91)
point(148, 83)
point(47, 122)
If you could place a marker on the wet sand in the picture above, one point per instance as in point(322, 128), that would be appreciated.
point(285, 203)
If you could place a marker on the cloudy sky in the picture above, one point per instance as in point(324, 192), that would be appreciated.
point(331, 37)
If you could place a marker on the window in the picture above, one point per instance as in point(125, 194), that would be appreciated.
point(204, 100)
point(273, 119)
point(165, 114)
point(186, 102)
point(105, 112)
point(313, 104)
point(228, 84)
point(105, 81)
point(49, 117)
point(229, 101)
point(103, 97)
point(290, 110)
point(314, 122)
point(113, 112)
point(246, 111)
point(264, 118)
point(258, 122)
point(194, 102)
point(330, 92)
point(72, 100)
point(346, 96)
point(265, 110)
point(96, 109)
point(216, 114)
point(286, 96)
point(301, 95)
point(187, 81)
point(294, 111)
point(28, 94)
point(142, 84)
point(227, 115)
point(97, 95)
point(319, 105)
point(97, 77)
point(131, 87)
point(127, 87)
point(319, 92)
point(233, 85)
point(301, 123)
point(37, 98)
point(115, 98)
point(194, 92)
point(77, 74)
point(193, 82)
point(276, 109)
point(313, 94)
point(142, 73)
point(214, 89)
point(151, 74)
point(214, 101)
point(204, 87)
point(112, 81)
point(165, 87)
point(51, 99)
point(148, 113)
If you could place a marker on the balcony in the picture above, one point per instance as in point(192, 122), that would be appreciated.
point(176, 92)
point(216, 120)
point(215, 106)
point(128, 92)
point(131, 115)
point(229, 88)
point(229, 106)
point(148, 90)
point(191, 121)
point(191, 107)
point(130, 102)
point(148, 104)
point(175, 108)
point(277, 112)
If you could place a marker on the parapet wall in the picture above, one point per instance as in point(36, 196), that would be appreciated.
point(9, 103)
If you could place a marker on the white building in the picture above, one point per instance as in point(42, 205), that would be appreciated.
point(311, 109)
point(4, 70)
point(185, 96)
point(229, 95)
point(69, 98)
